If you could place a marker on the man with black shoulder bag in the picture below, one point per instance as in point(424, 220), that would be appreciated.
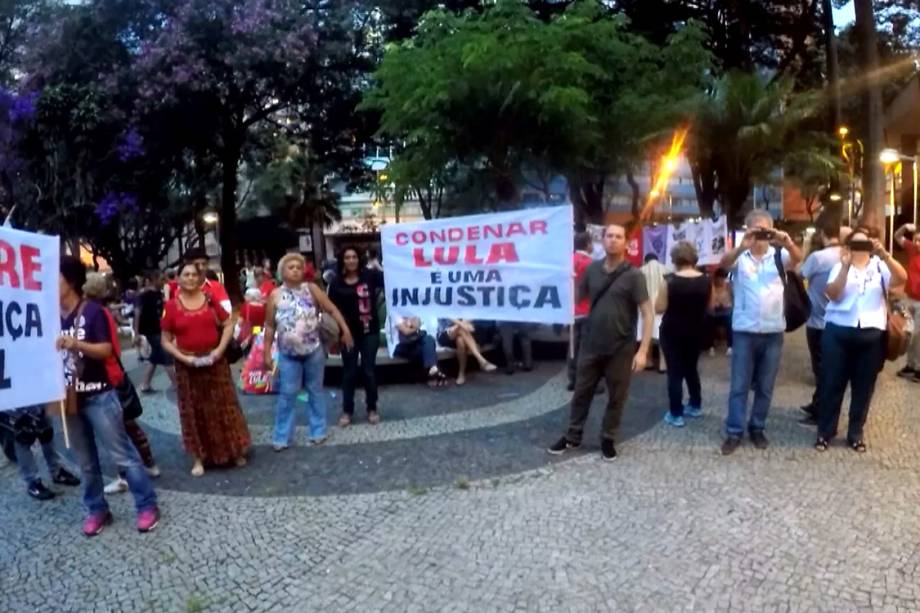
point(617, 293)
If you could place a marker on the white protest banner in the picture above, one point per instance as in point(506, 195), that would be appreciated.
point(31, 371)
point(514, 266)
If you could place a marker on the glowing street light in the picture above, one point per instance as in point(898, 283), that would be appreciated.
point(843, 131)
point(210, 218)
point(835, 197)
point(889, 156)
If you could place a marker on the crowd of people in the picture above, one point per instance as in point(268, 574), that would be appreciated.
point(185, 325)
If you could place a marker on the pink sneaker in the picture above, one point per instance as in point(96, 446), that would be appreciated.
point(148, 519)
point(95, 523)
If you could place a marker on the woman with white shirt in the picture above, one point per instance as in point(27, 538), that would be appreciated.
point(853, 340)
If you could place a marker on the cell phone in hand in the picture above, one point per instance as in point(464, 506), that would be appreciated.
point(764, 235)
point(865, 246)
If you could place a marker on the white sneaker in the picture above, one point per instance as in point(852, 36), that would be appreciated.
point(728, 351)
point(153, 471)
point(118, 486)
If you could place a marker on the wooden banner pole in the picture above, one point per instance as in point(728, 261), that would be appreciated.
point(64, 425)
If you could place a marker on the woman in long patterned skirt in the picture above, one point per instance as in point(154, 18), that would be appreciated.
point(196, 332)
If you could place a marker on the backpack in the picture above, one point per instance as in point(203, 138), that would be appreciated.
point(797, 305)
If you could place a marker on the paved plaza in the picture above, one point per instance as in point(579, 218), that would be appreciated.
point(452, 504)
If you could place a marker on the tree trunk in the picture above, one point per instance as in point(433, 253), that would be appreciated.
point(833, 67)
point(704, 184)
point(873, 213)
point(635, 208)
point(230, 165)
point(587, 196)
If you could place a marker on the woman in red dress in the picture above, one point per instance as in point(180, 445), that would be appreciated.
point(196, 332)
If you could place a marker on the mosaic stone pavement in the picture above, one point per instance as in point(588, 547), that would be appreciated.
point(452, 504)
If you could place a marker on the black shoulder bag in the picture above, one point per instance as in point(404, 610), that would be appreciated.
point(796, 304)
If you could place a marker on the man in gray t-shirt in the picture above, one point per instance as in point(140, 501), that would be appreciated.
point(815, 271)
point(616, 292)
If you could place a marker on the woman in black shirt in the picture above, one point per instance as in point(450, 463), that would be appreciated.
point(354, 291)
point(683, 301)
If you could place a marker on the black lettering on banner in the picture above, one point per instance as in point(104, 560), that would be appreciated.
point(516, 296)
point(5, 382)
point(12, 323)
point(436, 278)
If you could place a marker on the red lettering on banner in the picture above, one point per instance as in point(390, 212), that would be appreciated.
point(31, 264)
point(8, 265)
point(418, 237)
point(515, 228)
point(455, 234)
point(538, 226)
point(453, 254)
point(495, 231)
point(402, 238)
point(472, 233)
point(502, 252)
point(471, 255)
point(418, 255)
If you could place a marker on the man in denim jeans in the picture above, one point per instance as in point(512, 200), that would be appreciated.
point(758, 324)
point(98, 423)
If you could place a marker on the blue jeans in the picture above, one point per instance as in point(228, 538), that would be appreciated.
point(851, 356)
point(297, 373)
point(28, 469)
point(366, 347)
point(100, 424)
point(755, 363)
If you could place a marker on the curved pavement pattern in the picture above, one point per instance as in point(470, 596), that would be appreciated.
point(670, 526)
point(494, 426)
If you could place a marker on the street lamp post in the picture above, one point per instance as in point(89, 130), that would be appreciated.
point(891, 158)
point(211, 218)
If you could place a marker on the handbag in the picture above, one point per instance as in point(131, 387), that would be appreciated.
point(329, 332)
point(900, 326)
point(234, 351)
point(796, 303)
point(131, 406)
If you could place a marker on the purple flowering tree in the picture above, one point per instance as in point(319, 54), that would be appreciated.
point(238, 65)
point(17, 112)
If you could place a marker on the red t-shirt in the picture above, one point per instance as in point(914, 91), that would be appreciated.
point(196, 331)
point(253, 313)
point(267, 287)
point(580, 262)
point(913, 270)
point(214, 289)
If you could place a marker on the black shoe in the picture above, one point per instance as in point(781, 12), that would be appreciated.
point(608, 451)
point(809, 408)
point(809, 420)
point(907, 373)
point(509, 370)
point(562, 446)
point(760, 441)
point(570, 387)
point(527, 368)
point(64, 477)
point(38, 491)
point(730, 444)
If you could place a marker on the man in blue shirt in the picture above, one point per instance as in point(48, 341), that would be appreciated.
point(758, 324)
point(815, 270)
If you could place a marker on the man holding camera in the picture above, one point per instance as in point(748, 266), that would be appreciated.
point(27, 426)
point(758, 324)
point(911, 245)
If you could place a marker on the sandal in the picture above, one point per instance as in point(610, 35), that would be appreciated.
point(344, 420)
point(373, 418)
point(858, 446)
point(437, 379)
point(821, 444)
